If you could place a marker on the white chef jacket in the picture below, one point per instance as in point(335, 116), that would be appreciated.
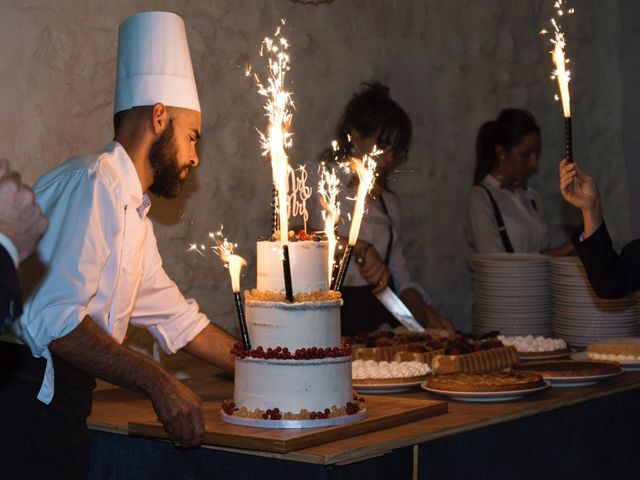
point(102, 260)
point(525, 225)
point(376, 229)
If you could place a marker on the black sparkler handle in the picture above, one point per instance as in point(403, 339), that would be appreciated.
point(568, 143)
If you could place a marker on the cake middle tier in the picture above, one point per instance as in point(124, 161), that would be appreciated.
point(294, 325)
point(292, 385)
point(309, 266)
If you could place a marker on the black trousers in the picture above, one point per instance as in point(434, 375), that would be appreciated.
point(43, 441)
point(362, 312)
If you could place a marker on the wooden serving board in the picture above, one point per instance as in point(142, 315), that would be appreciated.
point(382, 412)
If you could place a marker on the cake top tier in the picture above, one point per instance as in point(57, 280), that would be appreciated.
point(309, 266)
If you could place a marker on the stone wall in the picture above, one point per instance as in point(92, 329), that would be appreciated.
point(451, 63)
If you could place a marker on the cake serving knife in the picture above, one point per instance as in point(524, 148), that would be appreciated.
point(399, 310)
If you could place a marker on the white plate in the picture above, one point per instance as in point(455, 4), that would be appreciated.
point(494, 258)
point(486, 396)
point(380, 388)
point(551, 356)
point(321, 422)
point(582, 381)
point(627, 366)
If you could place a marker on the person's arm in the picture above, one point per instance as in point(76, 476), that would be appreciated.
point(213, 345)
point(565, 248)
point(412, 294)
point(611, 275)
point(21, 220)
point(423, 312)
point(581, 191)
point(174, 321)
point(371, 265)
point(90, 349)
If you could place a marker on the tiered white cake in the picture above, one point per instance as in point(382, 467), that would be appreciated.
point(297, 373)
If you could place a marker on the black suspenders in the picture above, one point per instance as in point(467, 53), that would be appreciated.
point(502, 230)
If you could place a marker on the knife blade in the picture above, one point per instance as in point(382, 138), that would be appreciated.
point(399, 310)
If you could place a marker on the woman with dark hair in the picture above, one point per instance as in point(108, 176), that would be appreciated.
point(372, 118)
point(505, 214)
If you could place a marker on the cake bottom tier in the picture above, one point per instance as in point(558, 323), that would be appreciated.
point(293, 385)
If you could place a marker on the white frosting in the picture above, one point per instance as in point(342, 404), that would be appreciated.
point(308, 262)
point(615, 357)
point(292, 385)
point(533, 344)
point(293, 325)
point(371, 369)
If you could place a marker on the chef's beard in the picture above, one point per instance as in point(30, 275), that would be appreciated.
point(167, 173)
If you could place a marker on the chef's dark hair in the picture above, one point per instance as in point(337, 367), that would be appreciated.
point(507, 131)
point(372, 110)
point(120, 116)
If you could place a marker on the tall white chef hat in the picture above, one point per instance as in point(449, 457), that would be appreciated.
point(154, 63)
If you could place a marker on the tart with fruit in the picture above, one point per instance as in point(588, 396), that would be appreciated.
point(383, 345)
point(465, 355)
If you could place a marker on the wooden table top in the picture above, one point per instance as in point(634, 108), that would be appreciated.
point(113, 409)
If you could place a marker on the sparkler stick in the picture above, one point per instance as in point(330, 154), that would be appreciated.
point(241, 320)
point(562, 75)
point(365, 170)
point(235, 264)
point(277, 138)
point(274, 210)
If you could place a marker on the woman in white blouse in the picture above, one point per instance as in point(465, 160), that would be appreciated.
point(505, 214)
point(373, 118)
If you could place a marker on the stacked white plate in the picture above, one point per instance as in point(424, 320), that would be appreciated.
point(580, 316)
point(511, 293)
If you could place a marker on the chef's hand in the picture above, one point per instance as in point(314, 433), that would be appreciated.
point(20, 217)
point(581, 191)
point(372, 267)
point(180, 411)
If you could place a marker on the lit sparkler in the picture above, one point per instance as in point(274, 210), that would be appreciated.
point(328, 189)
point(224, 249)
point(561, 74)
point(278, 138)
point(365, 168)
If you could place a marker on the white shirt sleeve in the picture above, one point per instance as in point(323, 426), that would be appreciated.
point(10, 248)
point(82, 212)
point(161, 308)
point(484, 233)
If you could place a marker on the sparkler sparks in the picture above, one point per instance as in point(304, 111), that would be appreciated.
point(365, 168)
point(328, 189)
point(560, 73)
point(224, 249)
point(366, 171)
point(278, 110)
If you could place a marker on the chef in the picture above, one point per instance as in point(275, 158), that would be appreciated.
point(100, 269)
